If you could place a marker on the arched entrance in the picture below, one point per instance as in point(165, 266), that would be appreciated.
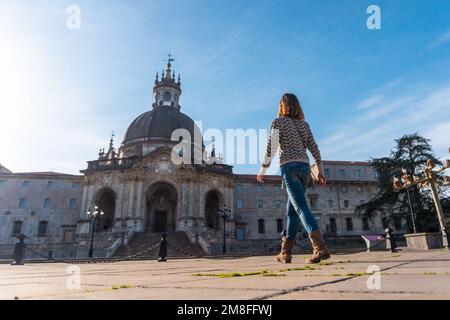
point(212, 205)
point(106, 202)
point(161, 203)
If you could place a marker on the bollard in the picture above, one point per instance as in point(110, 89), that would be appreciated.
point(19, 250)
point(163, 248)
point(390, 242)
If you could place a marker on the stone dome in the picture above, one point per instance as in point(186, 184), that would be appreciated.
point(160, 123)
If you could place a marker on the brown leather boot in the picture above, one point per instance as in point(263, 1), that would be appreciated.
point(320, 250)
point(286, 251)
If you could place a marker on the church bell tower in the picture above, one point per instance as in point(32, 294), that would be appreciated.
point(167, 91)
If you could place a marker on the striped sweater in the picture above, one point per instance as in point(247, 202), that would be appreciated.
point(292, 138)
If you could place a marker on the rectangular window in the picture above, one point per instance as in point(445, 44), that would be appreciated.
point(327, 173)
point(344, 189)
point(75, 185)
point(280, 226)
point(2, 183)
point(240, 204)
point(240, 231)
point(349, 223)
point(239, 188)
point(260, 204)
point(342, 173)
point(330, 203)
point(68, 234)
point(49, 184)
point(261, 226)
point(17, 228)
point(345, 203)
point(46, 203)
point(365, 223)
point(333, 225)
point(360, 189)
point(329, 189)
point(25, 184)
point(313, 202)
point(358, 174)
point(375, 174)
point(277, 189)
point(22, 202)
point(260, 188)
point(73, 204)
point(278, 203)
point(42, 230)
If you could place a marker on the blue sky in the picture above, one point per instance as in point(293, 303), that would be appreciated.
point(62, 91)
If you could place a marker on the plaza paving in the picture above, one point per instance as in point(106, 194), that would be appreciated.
point(404, 275)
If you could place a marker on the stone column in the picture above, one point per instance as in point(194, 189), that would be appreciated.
point(90, 199)
point(131, 200)
point(202, 201)
point(120, 200)
point(185, 200)
point(138, 207)
point(84, 202)
point(191, 199)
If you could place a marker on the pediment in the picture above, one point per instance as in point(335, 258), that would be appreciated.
point(159, 161)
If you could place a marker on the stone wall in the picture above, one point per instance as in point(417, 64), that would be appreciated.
point(60, 211)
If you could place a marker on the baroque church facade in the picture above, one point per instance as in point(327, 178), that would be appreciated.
point(139, 189)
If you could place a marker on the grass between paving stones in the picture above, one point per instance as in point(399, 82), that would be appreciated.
point(233, 274)
point(325, 263)
point(264, 273)
point(305, 268)
point(122, 286)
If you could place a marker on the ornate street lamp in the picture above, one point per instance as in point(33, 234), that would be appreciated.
point(429, 180)
point(224, 213)
point(93, 216)
point(410, 204)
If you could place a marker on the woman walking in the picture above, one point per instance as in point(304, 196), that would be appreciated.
point(292, 136)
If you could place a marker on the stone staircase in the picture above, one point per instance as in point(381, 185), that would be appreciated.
point(179, 246)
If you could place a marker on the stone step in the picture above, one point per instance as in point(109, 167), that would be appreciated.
point(179, 246)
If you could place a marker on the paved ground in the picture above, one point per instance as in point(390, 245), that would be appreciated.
point(406, 275)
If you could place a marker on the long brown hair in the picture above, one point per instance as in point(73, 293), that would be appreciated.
point(290, 107)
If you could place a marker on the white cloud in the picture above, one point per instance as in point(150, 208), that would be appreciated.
point(370, 132)
point(440, 136)
point(440, 40)
point(369, 102)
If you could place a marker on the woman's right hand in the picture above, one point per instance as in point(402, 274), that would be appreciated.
point(322, 179)
point(260, 178)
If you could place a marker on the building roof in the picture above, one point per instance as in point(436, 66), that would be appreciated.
point(252, 178)
point(160, 123)
point(43, 174)
point(277, 178)
point(347, 163)
point(4, 170)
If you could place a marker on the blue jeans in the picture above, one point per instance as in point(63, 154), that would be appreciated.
point(295, 176)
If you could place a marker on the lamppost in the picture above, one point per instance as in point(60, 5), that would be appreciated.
point(224, 213)
point(93, 216)
point(410, 204)
point(429, 180)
